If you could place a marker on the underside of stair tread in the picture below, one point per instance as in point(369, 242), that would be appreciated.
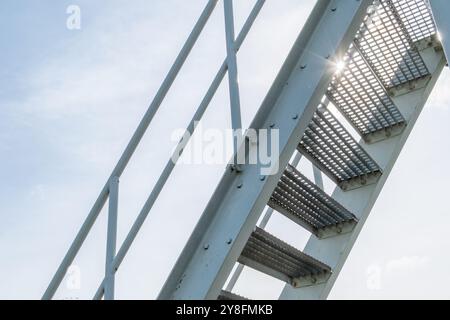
point(416, 17)
point(270, 255)
point(386, 40)
point(333, 150)
point(363, 100)
point(229, 296)
point(303, 202)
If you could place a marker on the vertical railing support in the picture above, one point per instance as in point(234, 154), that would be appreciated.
point(235, 102)
point(111, 238)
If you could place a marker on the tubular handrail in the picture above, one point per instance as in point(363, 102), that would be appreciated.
point(113, 262)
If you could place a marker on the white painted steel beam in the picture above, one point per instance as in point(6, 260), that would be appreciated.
point(240, 197)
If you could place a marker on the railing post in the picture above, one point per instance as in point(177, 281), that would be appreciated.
point(111, 238)
point(235, 102)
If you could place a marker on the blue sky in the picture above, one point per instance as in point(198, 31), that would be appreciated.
point(70, 100)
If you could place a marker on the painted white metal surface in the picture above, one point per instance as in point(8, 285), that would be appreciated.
point(334, 251)
point(237, 203)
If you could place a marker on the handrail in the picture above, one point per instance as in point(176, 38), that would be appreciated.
point(179, 149)
point(107, 191)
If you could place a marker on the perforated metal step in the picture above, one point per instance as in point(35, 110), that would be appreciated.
point(333, 150)
point(386, 40)
point(270, 255)
point(303, 202)
point(416, 17)
point(363, 100)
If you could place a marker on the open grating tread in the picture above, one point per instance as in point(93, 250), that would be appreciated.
point(363, 100)
point(387, 45)
point(303, 202)
point(332, 149)
point(268, 254)
point(416, 17)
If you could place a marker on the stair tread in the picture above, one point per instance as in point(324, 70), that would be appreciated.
point(333, 150)
point(302, 201)
point(268, 254)
point(387, 41)
point(363, 100)
point(416, 17)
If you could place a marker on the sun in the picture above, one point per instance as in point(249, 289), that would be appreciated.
point(340, 66)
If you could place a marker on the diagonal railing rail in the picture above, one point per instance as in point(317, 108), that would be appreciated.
point(110, 191)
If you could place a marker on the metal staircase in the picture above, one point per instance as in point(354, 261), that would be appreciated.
point(376, 62)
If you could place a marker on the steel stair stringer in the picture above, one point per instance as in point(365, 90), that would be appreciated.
point(231, 215)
